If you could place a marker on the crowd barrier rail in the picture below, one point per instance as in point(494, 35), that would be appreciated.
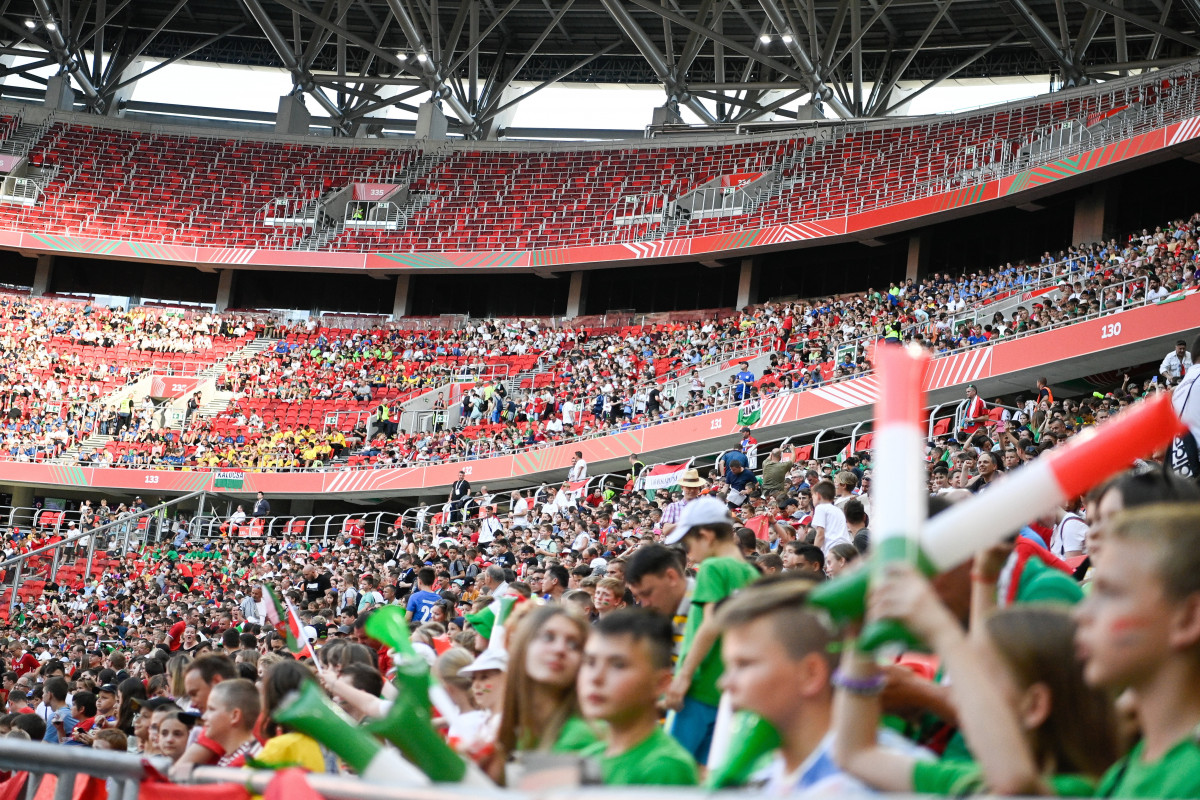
point(126, 772)
point(63, 763)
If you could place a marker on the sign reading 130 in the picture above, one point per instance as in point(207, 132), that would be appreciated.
point(1110, 330)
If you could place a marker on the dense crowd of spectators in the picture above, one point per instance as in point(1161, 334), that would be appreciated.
point(176, 616)
point(59, 358)
point(573, 383)
point(591, 382)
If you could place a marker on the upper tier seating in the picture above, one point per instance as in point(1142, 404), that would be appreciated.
point(178, 189)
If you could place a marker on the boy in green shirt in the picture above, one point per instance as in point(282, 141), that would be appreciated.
point(626, 666)
point(706, 530)
point(1139, 630)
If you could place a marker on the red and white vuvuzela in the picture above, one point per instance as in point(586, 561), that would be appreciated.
point(1040, 486)
point(1032, 491)
point(901, 498)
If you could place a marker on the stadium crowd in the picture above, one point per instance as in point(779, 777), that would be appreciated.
point(565, 622)
point(584, 382)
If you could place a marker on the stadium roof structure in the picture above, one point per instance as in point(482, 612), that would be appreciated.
point(728, 61)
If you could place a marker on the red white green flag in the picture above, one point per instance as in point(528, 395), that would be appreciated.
point(282, 616)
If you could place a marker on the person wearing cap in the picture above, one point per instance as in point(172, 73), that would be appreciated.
point(706, 530)
point(106, 706)
point(474, 733)
point(691, 483)
point(743, 381)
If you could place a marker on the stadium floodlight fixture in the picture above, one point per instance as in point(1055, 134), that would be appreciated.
point(50, 26)
point(402, 56)
point(765, 38)
point(787, 38)
point(422, 57)
point(30, 24)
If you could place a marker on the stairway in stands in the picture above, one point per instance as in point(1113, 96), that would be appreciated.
point(215, 405)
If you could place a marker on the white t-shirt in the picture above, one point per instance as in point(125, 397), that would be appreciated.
point(488, 528)
point(1070, 534)
point(831, 518)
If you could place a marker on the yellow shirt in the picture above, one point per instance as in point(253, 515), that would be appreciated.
point(292, 750)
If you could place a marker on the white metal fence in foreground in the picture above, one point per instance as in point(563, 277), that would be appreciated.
point(126, 771)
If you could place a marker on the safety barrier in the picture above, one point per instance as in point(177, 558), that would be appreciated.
point(91, 539)
point(62, 763)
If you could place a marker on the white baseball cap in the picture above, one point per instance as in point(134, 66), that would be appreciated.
point(702, 511)
point(488, 659)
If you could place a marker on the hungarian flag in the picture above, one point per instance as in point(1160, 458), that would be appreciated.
point(749, 412)
point(1175, 296)
point(283, 618)
point(662, 476)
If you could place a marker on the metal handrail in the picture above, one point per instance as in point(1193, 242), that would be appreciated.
point(20, 559)
point(127, 769)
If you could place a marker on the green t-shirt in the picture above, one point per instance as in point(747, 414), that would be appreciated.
point(961, 778)
point(1176, 774)
point(1041, 583)
point(576, 735)
point(716, 579)
point(658, 760)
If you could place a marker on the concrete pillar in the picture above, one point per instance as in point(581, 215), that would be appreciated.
point(224, 289)
point(576, 294)
point(301, 507)
point(59, 94)
point(747, 284)
point(1090, 211)
point(918, 256)
point(22, 496)
point(292, 116)
point(42, 274)
point(402, 306)
point(431, 122)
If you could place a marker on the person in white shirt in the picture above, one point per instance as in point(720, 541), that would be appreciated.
point(1176, 364)
point(520, 509)
point(489, 526)
point(828, 520)
point(579, 468)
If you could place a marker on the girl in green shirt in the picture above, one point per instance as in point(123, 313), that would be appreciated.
point(541, 709)
point(1026, 713)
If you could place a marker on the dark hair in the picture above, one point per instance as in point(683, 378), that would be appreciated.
point(365, 678)
point(559, 573)
point(809, 552)
point(281, 679)
point(231, 639)
point(1145, 488)
point(153, 666)
point(86, 701)
point(653, 559)
point(57, 688)
point(825, 490)
point(32, 724)
point(426, 576)
point(642, 625)
point(130, 689)
point(746, 539)
point(212, 666)
point(854, 511)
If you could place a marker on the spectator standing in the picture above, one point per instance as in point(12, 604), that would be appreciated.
point(1176, 364)
point(262, 508)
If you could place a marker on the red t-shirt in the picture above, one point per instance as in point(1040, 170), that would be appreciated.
point(26, 663)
